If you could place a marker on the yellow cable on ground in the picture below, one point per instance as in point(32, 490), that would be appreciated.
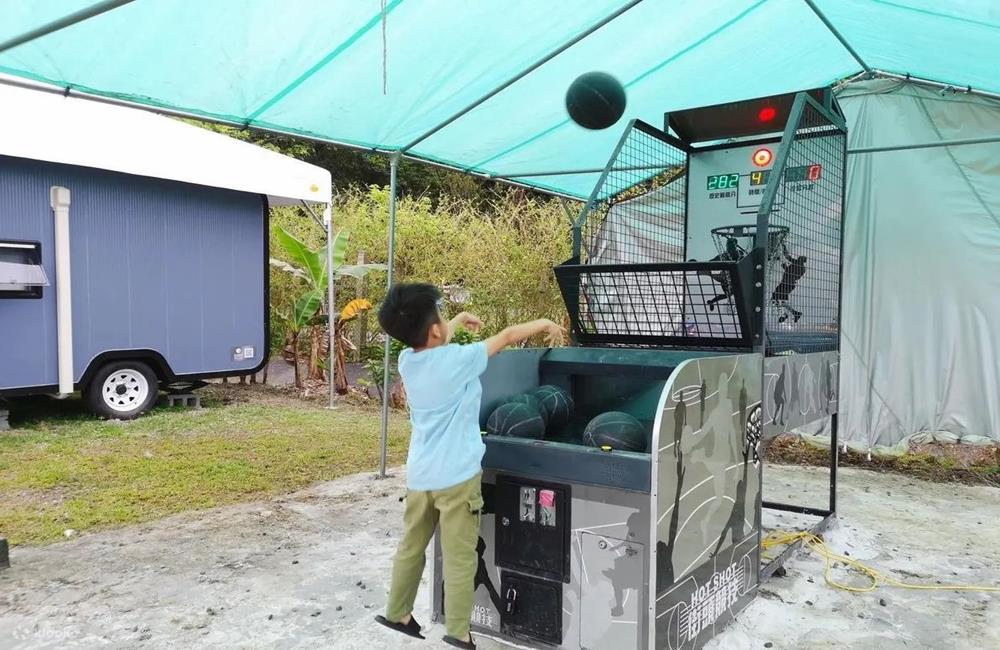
point(816, 544)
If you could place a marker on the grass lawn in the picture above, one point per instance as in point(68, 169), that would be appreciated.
point(60, 468)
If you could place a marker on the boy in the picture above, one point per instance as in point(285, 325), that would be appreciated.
point(443, 468)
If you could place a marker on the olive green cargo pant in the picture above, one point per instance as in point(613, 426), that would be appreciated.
point(456, 509)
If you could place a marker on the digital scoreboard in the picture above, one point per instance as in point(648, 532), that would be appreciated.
point(792, 175)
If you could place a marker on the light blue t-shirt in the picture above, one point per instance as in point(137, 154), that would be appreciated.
point(444, 394)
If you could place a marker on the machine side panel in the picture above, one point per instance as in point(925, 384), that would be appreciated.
point(708, 492)
point(799, 389)
point(606, 584)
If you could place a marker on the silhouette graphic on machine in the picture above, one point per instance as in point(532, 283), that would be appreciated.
point(680, 419)
point(734, 525)
point(794, 268)
point(827, 384)
point(779, 397)
point(665, 552)
point(734, 252)
point(743, 405)
point(483, 576)
point(794, 403)
point(703, 397)
point(626, 572)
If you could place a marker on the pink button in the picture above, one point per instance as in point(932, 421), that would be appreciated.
point(546, 498)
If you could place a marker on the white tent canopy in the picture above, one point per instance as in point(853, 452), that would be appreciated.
point(53, 128)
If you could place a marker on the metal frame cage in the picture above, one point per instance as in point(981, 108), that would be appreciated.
point(628, 282)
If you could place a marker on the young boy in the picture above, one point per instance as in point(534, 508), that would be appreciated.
point(443, 469)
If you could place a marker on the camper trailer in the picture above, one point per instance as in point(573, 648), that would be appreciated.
point(133, 250)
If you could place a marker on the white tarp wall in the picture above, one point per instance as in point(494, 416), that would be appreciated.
point(920, 346)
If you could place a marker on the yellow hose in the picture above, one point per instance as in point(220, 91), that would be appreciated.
point(816, 544)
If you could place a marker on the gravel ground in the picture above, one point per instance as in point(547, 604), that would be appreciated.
point(309, 570)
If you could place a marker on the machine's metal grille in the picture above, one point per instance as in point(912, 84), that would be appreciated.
point(656, 304)
point(802, 298)
point(636, 214)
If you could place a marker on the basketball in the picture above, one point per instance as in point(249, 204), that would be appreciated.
point(531, 401)
point(556, 403)
point(617, 430)
point(517, 420)
point(596, 100)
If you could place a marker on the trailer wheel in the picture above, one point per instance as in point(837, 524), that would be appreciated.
point(122, 390)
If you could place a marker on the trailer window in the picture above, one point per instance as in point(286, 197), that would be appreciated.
point(21, 272)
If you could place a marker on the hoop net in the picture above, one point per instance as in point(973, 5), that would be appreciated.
point(733, 242)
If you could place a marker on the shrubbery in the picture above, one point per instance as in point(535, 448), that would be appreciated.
point(494, 257)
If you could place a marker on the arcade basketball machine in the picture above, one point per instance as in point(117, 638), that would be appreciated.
point(704, 295)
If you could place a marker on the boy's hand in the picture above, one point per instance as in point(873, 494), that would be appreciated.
point(555, 335)
point(469, 321)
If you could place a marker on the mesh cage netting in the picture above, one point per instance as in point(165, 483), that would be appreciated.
point(636, 215)
point(802, 297)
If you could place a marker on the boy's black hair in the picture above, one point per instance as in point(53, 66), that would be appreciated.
point(408, 311)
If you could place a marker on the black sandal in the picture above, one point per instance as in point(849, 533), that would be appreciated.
point(409, 629)
point(466, 645)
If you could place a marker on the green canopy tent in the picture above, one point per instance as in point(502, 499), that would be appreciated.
point(479, 86)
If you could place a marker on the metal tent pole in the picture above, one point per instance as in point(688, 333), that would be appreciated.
point(840, 37)
point(940, 85)
point(331, 295)
point(386, 379)
point(62, 23)
point(927, 145)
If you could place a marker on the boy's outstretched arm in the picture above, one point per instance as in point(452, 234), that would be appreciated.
point(517, 333)
point(469, 321)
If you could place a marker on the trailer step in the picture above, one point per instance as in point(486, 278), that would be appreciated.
point(189, 400)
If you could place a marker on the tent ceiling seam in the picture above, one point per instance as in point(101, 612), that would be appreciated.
point(712, 34)
point(322, 63)
point(896, 5)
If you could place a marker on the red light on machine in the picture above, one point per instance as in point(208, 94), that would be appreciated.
point(767, 114)
point(762, 157)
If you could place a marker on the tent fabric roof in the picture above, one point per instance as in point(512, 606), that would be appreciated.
point(315, 67)
point(74, 131)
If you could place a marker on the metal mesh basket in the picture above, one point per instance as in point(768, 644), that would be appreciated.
point(701, 304)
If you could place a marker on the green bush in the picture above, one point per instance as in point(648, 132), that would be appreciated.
point(501, 256)
point(498, 255)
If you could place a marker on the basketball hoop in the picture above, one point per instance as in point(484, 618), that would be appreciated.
point(733, 242)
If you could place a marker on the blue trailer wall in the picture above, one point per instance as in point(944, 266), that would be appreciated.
point(156, 265)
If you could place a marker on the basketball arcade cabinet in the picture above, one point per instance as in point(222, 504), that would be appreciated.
point(592, 549)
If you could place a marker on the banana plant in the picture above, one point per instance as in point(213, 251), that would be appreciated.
point(309, 266)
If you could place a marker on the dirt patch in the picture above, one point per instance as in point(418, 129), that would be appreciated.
point(968, 464)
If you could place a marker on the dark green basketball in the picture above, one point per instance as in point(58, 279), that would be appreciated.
point(595, 100)
point(517, 420)
point(530, 401)
point(557, 404)
point(617, 430)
